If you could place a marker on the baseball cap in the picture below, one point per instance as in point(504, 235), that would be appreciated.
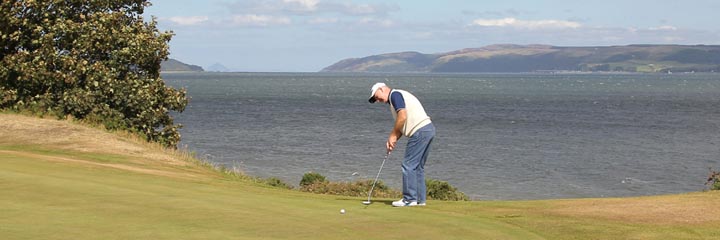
point(373, 90)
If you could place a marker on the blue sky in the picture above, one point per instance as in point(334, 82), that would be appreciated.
point(307, 35)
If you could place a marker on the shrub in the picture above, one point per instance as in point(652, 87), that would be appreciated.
point(276, 182)
point(352, 189)
point(713, 180)
point(317, 183)
point(310, 178)
point(441, 190)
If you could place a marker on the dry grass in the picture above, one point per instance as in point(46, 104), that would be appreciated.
point(26, 130)
point(685, 209)
point(144, 170)
point(80, 144)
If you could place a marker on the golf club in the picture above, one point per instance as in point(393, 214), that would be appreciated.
point(368, 202)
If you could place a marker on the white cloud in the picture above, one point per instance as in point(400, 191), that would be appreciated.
point(357, 9)
point(664, 28)
point(325, 14)
point(611, 38)
point(673, 39)
point(516, 23)
point(309, 7)
point(376, 22)
point(302, 5)
point(259, 20)
point(320, 20)
point(188, 21)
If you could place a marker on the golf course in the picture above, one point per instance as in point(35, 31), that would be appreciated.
point(64, 180)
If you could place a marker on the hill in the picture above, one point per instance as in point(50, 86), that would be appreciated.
point(531, 58)
point(63, 180)
point(173, 65)
point(217, 67)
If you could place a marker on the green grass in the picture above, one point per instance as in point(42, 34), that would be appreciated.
point(88, 156)
point(49, 192)
point(50, 200)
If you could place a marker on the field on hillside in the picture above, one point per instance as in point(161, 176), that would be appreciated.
point(62, 180)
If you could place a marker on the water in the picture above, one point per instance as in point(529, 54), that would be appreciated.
point(499, 136)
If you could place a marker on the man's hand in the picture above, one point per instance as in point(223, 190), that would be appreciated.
point(396, 133)
point(390, 144)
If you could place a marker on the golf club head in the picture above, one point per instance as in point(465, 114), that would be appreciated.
point(366, 202)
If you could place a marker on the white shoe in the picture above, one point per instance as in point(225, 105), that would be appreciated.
point(403, 203)
point(421, 204)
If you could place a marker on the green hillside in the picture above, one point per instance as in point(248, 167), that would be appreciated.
point(62, 180)
point(531, 58)
point(173, 65)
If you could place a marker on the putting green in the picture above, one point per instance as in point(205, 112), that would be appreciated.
point(120, 188)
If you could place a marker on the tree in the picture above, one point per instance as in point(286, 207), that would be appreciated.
point(96, 60)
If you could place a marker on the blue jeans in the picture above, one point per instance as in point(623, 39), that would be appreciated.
point(413, 165)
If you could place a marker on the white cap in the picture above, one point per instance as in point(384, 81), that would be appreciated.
point(373, 90)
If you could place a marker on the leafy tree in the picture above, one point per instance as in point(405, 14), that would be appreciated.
point(96, 60)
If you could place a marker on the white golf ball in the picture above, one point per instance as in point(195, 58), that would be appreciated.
point(342, 211)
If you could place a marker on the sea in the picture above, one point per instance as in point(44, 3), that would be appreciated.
point(499, 136)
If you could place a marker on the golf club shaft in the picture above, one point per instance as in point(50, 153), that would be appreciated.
point(378, 175)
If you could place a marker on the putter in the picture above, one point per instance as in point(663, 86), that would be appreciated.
point(368, 202)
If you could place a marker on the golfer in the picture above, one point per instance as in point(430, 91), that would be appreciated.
point(412, 122)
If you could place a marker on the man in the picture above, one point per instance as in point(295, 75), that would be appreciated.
point(412, 122)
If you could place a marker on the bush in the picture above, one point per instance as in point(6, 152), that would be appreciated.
point(276, 182)
point(311, 178)
point(713, 180)
point(352, 189)
point(441, 190)
point(317, 183)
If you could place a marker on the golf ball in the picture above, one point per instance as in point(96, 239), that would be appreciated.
point(342, 211)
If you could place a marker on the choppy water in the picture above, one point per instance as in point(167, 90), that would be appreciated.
point(499, 136)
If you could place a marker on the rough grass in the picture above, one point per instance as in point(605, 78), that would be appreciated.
point(354, 189)
point(60, 180)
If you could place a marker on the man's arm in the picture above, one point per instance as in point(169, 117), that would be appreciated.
point(396, 132)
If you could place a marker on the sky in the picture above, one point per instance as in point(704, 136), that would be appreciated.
point(308, 35)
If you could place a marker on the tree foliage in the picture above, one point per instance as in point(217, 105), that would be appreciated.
point(96, 60)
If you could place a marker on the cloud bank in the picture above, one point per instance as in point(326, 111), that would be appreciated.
point(526, 24)
point(259, 20)
point(188, 21)
point(309, 7)
point(344, 19)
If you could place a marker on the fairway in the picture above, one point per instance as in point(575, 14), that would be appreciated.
point(61, 180)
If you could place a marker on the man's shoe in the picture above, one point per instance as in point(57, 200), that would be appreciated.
point(421, 204)
point(403, 203)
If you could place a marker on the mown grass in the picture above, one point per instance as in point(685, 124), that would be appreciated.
point(71, 189)
point(44, 199)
